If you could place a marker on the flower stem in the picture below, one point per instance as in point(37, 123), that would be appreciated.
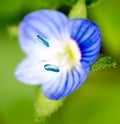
point(44, 107)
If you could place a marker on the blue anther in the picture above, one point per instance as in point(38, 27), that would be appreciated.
point(43, 40)
point(50, 67)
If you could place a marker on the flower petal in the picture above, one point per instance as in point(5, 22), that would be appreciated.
point(87, 36)
point(49, 24)
point(66, 83)
point(31, 71)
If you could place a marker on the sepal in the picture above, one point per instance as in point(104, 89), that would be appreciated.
point(103, 62)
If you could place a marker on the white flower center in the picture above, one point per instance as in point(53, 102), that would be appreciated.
point(62, 55)
point(69, 55)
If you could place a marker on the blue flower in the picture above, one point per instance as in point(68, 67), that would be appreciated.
point(59, 52)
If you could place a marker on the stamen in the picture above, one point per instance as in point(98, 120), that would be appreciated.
point(43, 40)
point(50, 67)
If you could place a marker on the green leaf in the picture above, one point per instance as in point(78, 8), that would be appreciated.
point(92, 2)
point(44, 107)
point(79, 10)
point(103, 62)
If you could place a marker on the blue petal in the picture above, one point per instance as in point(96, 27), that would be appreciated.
point(87, 36)
point(48, 24)
point(66, 83)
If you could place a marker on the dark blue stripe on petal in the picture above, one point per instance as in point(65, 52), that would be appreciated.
point(24, 33)
point(90, 42)
point(82, 75)
point(77, 83)
point(44, 22)
point(64, 88)
point(90, 37)
point(54, 94)
point(82, 34)
point(36, 30)
point(57, 89)
point(93, 50)
point(70, 84)
point(78, 31)
point(89, 50)
point(41, 21)
point(75, 33)
point(54, 22)
point(73, 75)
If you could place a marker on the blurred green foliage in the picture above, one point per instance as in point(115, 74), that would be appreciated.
point(11, 11)
point(96, 102)
point(70, 2)
point(91, 2)
point(107, 15)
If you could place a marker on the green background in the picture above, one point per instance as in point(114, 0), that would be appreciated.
point(96, 102)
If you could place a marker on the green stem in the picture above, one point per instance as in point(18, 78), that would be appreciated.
point(79, 10)
point(44, 107)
